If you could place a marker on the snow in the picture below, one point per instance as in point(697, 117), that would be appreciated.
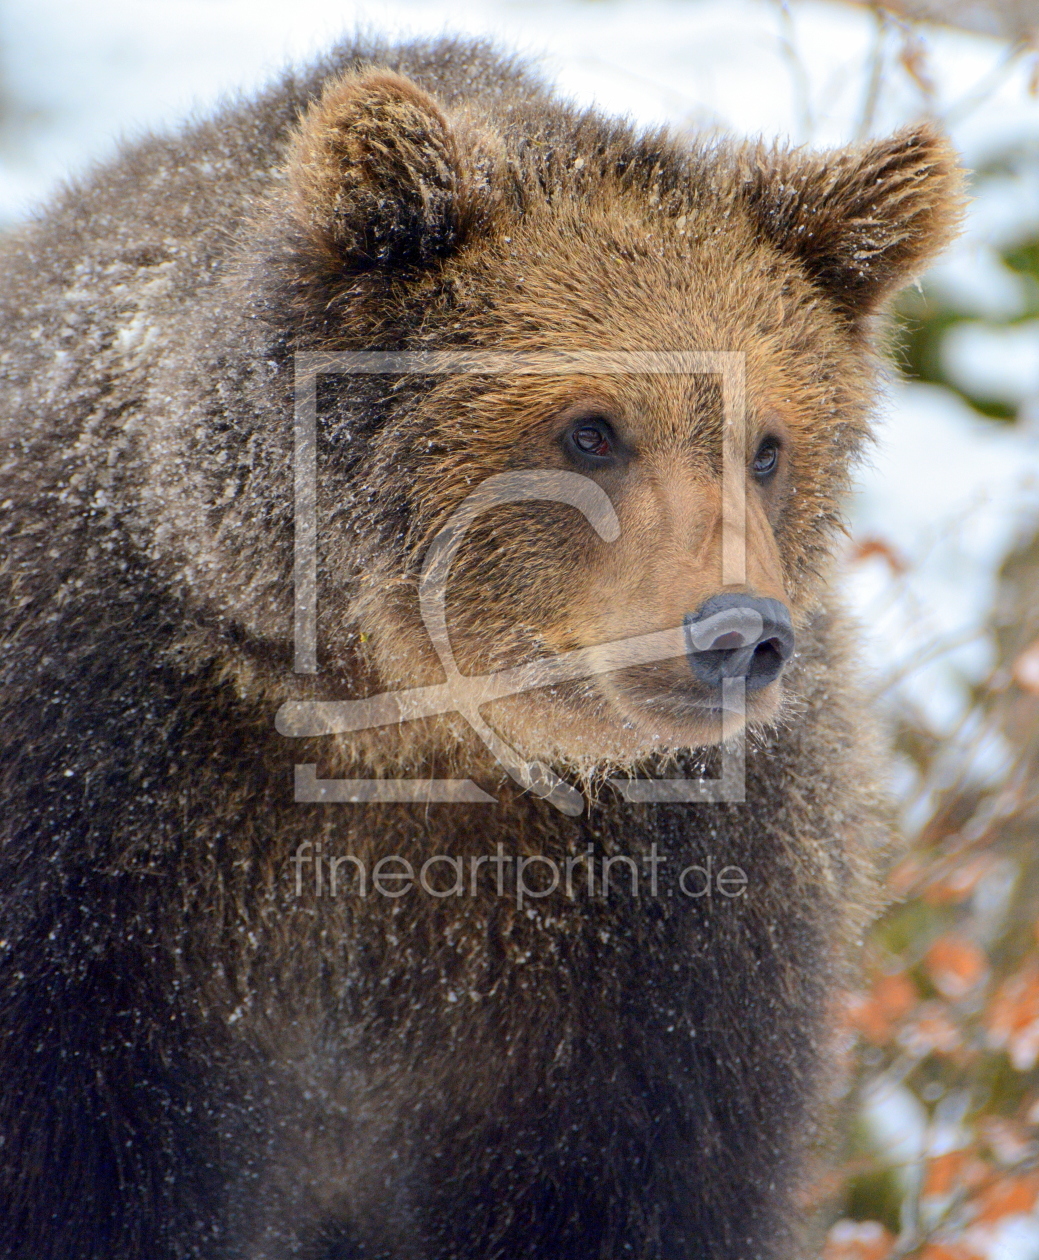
point(82, 75)
point(897, 1123)
point(994, 362)
point(1014, 1237)
point(950, 491)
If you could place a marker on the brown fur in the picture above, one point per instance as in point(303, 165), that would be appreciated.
point(199, 1062)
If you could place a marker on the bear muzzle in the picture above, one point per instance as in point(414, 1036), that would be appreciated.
point(734, 635)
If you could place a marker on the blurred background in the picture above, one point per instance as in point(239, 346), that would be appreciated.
point(939, 1156)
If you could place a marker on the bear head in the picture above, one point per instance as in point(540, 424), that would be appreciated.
point(527, 228)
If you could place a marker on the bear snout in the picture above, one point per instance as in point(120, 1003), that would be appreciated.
point(735, 635)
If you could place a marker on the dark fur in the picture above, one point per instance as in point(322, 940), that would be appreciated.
point(194, 1062)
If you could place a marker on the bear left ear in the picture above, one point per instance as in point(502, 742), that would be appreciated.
point(863, 221)
point(374, 174)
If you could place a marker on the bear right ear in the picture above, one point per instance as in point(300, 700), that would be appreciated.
point(863, 221)
point(374, 174)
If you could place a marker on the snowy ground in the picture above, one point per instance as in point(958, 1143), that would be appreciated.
point(946, 490)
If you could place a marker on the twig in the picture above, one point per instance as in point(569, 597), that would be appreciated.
point(876, 72)
point(799, 79)
point(926, 655)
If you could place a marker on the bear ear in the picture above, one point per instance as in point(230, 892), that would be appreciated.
point(374, 175)
point(863, 221)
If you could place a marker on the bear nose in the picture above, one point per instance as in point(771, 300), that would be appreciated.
point(739, 636)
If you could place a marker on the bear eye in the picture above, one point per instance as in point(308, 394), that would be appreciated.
point(766, 459)
point(592, 438)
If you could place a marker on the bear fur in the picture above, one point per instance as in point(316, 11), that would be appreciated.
point(204, 1054)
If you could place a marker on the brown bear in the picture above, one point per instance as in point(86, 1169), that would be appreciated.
point(571, 1012)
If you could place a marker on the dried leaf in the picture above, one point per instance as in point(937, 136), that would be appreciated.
point(1026, 669)
point(866, 548)
point(931, 1032)
point(1012, 1020)
point(875, 1014)
point(956, 965)
point(956, 885)
point(943, 1174)
point(956, 1250)
point(1007, 1197)
point(913, 59)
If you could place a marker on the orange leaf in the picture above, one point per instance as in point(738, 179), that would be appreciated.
point(874, 1014)
point(1007, 1197)
point(1012, 1019)
point(955, 964)
point(931, 1030)
point(943, 1173)
point(958, 884)
point(895, 994)
point(913, 58)
point(949, 1251)
point(1026, 669)
point(866, 548)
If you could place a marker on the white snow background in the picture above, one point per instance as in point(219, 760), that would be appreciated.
point(947, 490)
